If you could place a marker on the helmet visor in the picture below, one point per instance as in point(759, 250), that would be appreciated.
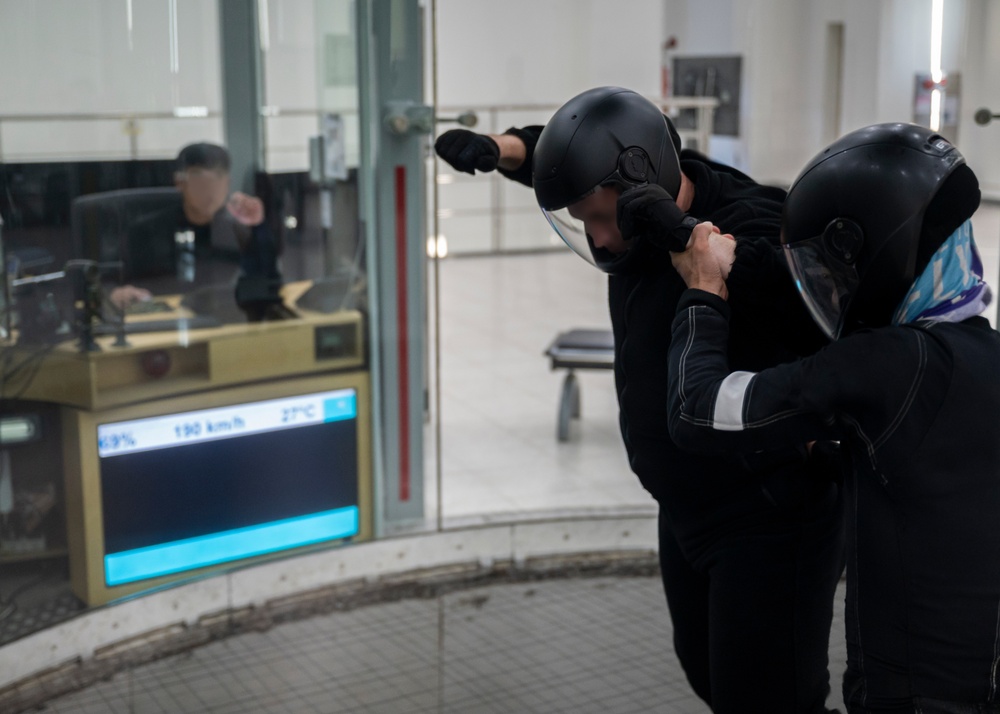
point(572, 232)
point(590, 228)
point(825, 283)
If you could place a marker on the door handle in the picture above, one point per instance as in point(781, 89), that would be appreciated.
point(404, 117)
point(467, 119)
point(984, 116)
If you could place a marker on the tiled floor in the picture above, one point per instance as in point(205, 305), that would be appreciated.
point(591, 646)
point(499, 397)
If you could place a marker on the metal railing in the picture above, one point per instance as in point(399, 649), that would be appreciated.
point(494, 215)
point(131, 126)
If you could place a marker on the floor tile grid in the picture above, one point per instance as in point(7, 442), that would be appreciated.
point(534, 687)
point(394, 648)
point(551, 664)
point(245, 685)
point(542, 666)
point(403, 657)
point(499, 402)
point(195, 686)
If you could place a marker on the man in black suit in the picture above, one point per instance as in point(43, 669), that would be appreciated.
point(210, 237)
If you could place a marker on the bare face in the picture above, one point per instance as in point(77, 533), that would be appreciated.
point(599, 213)
point(205, 191)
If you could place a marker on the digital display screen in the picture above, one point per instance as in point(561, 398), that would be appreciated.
point(199, 488)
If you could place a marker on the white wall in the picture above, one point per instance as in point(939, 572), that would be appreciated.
point(981, 88)
point(783, 44)
point(548, 50)
point(545, 51)
point(67, 57)
point(291, 34)
point(530, 52)
point(71, 57)
point(63, 57)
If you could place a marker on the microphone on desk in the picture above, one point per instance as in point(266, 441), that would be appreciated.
point(92, 300)
point(89, 311)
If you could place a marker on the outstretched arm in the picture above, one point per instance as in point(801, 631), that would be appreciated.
point(510, 152)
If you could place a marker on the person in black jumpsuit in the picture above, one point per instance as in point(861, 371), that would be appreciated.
point(751, 548)
point(232, 238)
point(878, 235)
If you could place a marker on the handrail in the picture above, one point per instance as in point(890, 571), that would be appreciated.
point(131, 120)
point(668, 103)
point(497, 210)
point(179, 113)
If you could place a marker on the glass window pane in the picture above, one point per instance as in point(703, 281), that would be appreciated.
point(183, 369)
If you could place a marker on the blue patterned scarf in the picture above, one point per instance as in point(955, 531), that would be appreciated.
point(951, 288)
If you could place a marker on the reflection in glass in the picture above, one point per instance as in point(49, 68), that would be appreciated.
point(148, 279)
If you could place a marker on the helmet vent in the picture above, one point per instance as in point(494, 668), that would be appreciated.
point(633, 164)
point(844, 238)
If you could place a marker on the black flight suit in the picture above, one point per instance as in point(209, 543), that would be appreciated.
point(918, 410)
point(222, 248)
point(751, 548)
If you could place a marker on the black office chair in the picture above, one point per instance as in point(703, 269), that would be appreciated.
point(100, 222)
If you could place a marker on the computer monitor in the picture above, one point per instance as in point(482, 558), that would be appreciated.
point(176, 491)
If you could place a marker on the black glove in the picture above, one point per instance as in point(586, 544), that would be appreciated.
point(466, 150)
point(651, 213)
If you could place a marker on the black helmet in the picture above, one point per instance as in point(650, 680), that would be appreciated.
point(864, 217)
point(606, 136)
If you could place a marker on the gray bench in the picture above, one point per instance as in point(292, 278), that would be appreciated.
point(577, 349)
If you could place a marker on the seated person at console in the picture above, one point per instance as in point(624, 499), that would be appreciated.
point(201, 240)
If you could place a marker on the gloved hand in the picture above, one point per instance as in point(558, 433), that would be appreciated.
point(467, 151)
point(651, 213)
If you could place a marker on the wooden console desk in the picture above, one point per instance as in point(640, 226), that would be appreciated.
point(198, 359)
point(164, 373)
